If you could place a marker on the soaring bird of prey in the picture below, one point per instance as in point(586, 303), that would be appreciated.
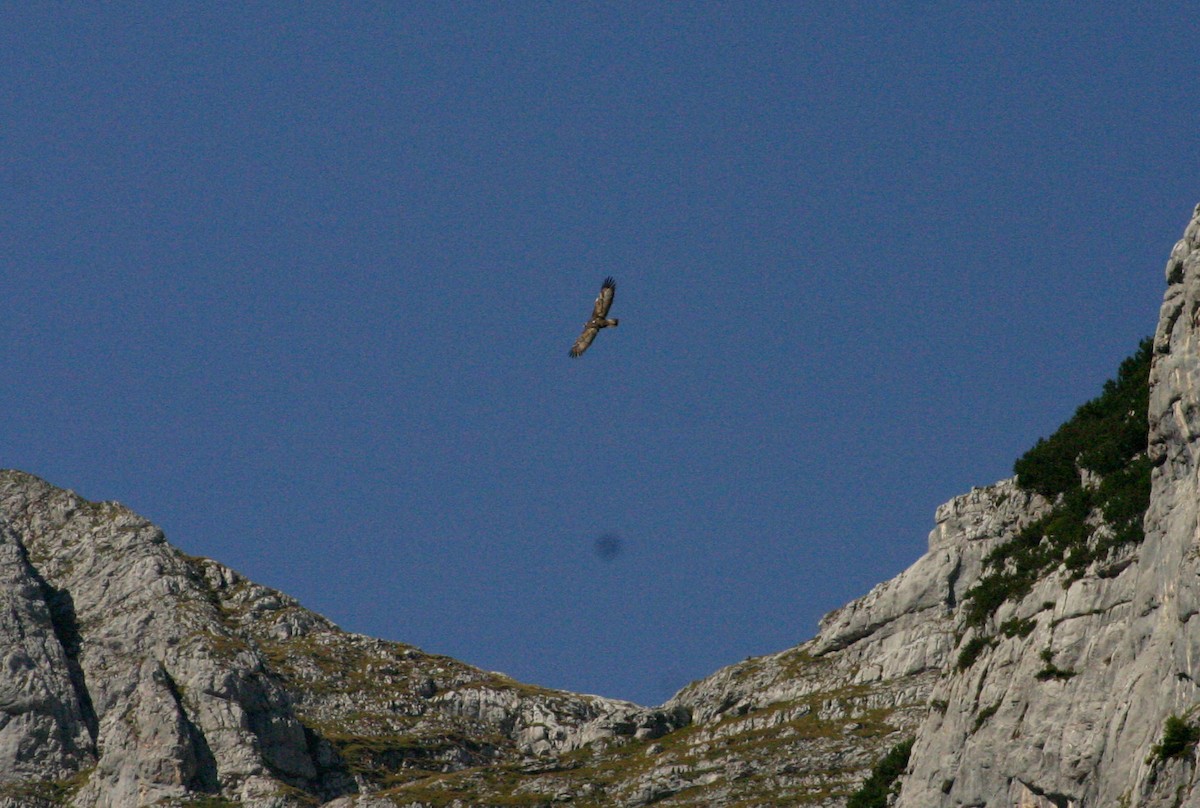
point(599, 318)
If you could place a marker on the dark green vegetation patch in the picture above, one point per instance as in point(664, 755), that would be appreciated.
point(1106, 438)
point(971, 651)
point(1050, 670)
point(1178, 738)
point(876, 789)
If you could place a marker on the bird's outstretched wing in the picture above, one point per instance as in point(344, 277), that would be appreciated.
point(604, 299)
point(585, 339)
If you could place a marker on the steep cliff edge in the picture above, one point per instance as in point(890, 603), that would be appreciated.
point(1070, 713)
point(1041, 654)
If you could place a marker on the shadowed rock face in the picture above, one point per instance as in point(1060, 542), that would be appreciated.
point(136, 675)
point(44, 721)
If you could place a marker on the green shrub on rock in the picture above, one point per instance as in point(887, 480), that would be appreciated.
point(1178, 738)
point(876, 789)
point(1105, 441)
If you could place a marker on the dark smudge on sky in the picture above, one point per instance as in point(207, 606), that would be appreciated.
point(608, 546)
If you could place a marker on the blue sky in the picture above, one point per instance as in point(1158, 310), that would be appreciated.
point(297, 282)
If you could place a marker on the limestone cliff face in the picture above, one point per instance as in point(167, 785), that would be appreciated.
point(1120, 642)
point(136, 675)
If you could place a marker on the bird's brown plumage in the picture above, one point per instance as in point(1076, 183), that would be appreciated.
point(599, 318)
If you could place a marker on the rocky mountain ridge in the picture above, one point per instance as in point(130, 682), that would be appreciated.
point(1040, 654)
point(138, 675)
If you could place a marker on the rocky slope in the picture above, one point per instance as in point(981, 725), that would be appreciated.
point(1040, 655)
point(136, 675)
point(141, 676)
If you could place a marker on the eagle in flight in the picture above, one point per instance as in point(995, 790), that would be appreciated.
point(599, 318)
